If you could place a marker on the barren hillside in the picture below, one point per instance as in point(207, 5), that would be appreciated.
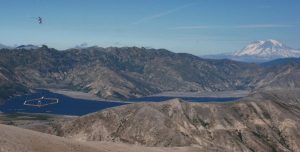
point(267, 121)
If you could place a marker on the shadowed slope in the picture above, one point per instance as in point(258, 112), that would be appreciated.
point(121, 73)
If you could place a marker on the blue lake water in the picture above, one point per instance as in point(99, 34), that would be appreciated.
point(66, 105)
point(78, 107)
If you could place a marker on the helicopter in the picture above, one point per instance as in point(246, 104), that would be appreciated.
point(40, 20)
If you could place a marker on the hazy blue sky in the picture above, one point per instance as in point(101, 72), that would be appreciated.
point(194, 26)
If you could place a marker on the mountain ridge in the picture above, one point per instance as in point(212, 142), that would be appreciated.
point(263, 121)
point(121, 73)
point(27, 47)
point(129, 72)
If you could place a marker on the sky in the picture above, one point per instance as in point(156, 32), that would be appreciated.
point(199, 27)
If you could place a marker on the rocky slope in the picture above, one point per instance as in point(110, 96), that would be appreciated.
point(280, 75)
point(9, 85)
point(120, 73)
point(267, 121)
point(21, 140)
point(13, 139)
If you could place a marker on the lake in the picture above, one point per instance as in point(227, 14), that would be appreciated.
point(78, 107)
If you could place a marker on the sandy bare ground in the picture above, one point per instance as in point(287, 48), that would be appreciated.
point(216, 94)
point(32, 121)
point(14, 139)
point(120, 147)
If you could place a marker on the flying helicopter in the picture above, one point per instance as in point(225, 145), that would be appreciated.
point(40, 20)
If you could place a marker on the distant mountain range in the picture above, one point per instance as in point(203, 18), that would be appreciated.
point(4, 46)
point(260, 51)
point(128, 72)
point(266, 120)
point(282, 61)
point(257, 51)
point(24, 47)
point(27, 47)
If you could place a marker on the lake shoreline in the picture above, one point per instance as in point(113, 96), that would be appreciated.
point(206, 94)
point(73, 103)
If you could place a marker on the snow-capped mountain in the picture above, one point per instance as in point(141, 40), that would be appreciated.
point(269, 49)
point(28, 47)
point(81, 46)
point(4, 46)
point(260, 51)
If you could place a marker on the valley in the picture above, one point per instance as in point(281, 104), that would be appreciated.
point(149, 76)
point(131, 99)
point(123, 73)
point(75, 103)
point(262, 121)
